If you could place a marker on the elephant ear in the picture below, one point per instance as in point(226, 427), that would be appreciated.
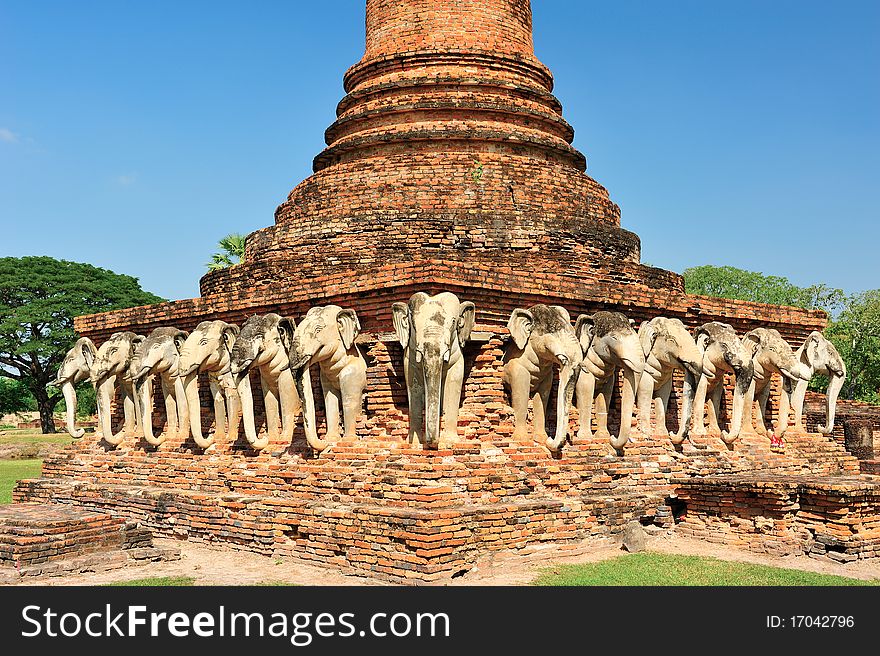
point(400, 316)
point(136, 342)
point(467, 317)
point(286, 328)
point(520, 327)
point(648, 335)
point(229, 335)
point(88, 351)
point(752, 342)
point(562, 312)
point(585, 329)
point(349, 327)
point(812, 352)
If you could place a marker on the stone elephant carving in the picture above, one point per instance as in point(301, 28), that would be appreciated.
point(609, 344)
point(159, 355)
point(208, 349)
point(668, 346)
point(820, 356)
point(433, 331)
point(75, 368)
point(261, 346)
point(112, 370)
point(722, 352)
point(772, 355)
point(326, 337)
point(542, 339)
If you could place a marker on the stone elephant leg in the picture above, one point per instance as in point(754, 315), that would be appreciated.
point(748, 410)
point(699, 407)
point(416, 394)
point(272, 404)
point(519, 382)
point(644, 398)
point(291, 405)
point(603, 401)
point(131, 409)
point(332, 404)
point(219, 409)
point(585, 392)
point(783, 412)
point(540, 403)
point(797, 405)
point(172, 421)
point(661, 406)
point(351, 390)
point(451, 399)
point(716, 394)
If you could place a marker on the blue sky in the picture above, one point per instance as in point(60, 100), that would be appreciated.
point(135, 135)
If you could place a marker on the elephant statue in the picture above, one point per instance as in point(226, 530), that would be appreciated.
point(159, 355)
point(668, 346)
point(326, 337)
point(261, 346)
point(722, 352)
point(772, 354)
point(207, 349)
point(820, 356)
point(432, 331)
point(75, 368)
point(609, 344)
point(112, 370)
point(542, 339)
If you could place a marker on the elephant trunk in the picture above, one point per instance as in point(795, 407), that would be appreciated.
point(627, 402)
point(567, 382)
point(433, 370)
point(688, 390)
point(303, 379)
point(245, 393)
point(740, 397)
point(105, 389)
point(834, 387)
point(69, 392)
point(144, 396)
point(194, 405)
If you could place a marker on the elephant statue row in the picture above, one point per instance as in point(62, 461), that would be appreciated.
point(586, 358)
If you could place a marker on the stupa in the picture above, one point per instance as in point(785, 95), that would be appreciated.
point(450, 167)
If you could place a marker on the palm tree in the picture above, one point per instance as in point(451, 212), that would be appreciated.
point(232, 247)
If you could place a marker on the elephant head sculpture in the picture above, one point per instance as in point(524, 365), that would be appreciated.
point(772, 354)
point(432, 331)
point(207, 349)
point(261, 345)
point(722, 352)
point(75, 368)
point(668, 346)
point(112, 370)
point(326, 337)
point(159, 355)
point(820, 357)
point(609, 344)
point(542, 340)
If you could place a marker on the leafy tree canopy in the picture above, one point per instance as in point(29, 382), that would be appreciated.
point(856, 334)
point(39, 297)
point(231, 252)
point(730, 282)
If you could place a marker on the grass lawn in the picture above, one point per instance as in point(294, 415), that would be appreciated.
point(158, 581)
point(662, 569)
point(11, 471)
point(32, 436)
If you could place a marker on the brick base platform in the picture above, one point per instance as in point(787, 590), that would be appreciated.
point(401, 514)
point(834, 516)
point(39, 539)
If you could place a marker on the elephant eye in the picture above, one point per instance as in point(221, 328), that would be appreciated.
point(204, 342)
point(113, 350)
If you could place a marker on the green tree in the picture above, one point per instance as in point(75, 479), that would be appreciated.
point(856, 334)
point(232, 252)
point(15, 397)
point(730, 282)
point(39, 297)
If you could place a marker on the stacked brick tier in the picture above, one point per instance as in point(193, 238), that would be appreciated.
point(834, 516)
point(403, 514)
point(449, 140)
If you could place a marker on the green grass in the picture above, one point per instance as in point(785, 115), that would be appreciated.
point(32, 436)
point(158, 581)
point(11, 471)
point(663, 569)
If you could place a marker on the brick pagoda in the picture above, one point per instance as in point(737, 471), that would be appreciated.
point(450, 167)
